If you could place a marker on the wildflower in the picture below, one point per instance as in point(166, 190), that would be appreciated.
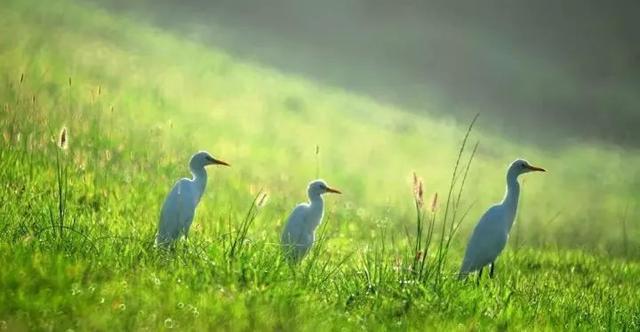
point(168, 323)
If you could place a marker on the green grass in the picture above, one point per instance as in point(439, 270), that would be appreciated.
point(138, 102)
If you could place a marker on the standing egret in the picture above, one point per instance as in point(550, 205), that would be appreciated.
point(300, 230)
point(180, 205)
point(492, 231)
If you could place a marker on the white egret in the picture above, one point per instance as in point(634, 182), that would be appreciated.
point(492, 231)
point(300, 230)
point(179, 207)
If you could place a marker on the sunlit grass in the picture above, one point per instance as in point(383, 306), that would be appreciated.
point(138, 102)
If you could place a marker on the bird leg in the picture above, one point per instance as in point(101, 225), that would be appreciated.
point(479, 275)
point(491, 272)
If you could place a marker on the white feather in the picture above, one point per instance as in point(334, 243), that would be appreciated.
point(490, 235)
point(299, 232)
point(179, 208)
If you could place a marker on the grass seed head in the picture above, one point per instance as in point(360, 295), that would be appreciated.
point(418, 190)
point(63, 140)
point(263, 200)
point(434, 202)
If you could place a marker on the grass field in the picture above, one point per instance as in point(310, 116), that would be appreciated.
point(76, 238)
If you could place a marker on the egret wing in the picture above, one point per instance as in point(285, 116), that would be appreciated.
point(177, 209)
point(293, 238)
point(486, 242)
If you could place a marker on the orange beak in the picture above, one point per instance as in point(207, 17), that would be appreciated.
point(335, 191)
point(537, 169)
point(218, 162)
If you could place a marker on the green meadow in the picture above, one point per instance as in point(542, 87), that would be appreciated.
point(78, 224)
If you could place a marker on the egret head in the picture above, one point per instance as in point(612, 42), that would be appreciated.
point(319, 187)
point(202, 159)
point(521, 166)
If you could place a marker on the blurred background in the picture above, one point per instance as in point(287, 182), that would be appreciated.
point(361, 93)
point(543, 70)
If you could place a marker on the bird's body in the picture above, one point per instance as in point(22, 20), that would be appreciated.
point(490, 235)
point(180, 205)
point(487, 241)
point(179, 208)
point(298, 235)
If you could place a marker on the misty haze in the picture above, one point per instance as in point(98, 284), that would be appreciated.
point(571, 67)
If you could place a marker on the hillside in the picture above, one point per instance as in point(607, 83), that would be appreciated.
point(569, 69)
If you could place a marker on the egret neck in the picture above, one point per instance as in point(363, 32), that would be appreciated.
point(199, 180)
point(510, 201)
point(316, 210)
